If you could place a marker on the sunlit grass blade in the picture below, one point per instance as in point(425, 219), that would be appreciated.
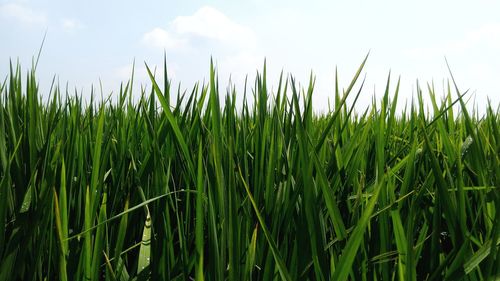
point(144, 261)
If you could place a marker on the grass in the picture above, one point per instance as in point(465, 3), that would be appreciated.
point(201, 190)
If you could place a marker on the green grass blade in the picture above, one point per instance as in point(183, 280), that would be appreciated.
point(145, 250)
point(272, 244)
point(344, 265)
point(199, 216)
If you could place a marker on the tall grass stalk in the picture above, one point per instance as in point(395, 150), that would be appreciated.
point(200, 190)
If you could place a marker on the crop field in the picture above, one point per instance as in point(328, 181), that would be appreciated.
point(206, 189)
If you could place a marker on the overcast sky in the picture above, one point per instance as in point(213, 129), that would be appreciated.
point(91, 40)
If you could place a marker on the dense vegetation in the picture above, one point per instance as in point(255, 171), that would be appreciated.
point(120, 190)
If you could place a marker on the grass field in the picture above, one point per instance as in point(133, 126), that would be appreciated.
point(206, 189)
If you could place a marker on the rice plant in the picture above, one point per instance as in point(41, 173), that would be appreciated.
point(205, 189)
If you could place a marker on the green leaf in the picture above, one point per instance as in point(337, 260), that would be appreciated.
point(145, 249)
point(272, 244)
point(344, 265)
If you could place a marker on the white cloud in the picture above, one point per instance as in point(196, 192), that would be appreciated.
point(487, 36)
point(210, 23)
point(71, 25)
point(240, 65)
point(161, 38)
point(206, 23)
point(22, 14)
point(207, 32)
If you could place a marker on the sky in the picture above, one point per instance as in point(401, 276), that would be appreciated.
point(96, 43)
